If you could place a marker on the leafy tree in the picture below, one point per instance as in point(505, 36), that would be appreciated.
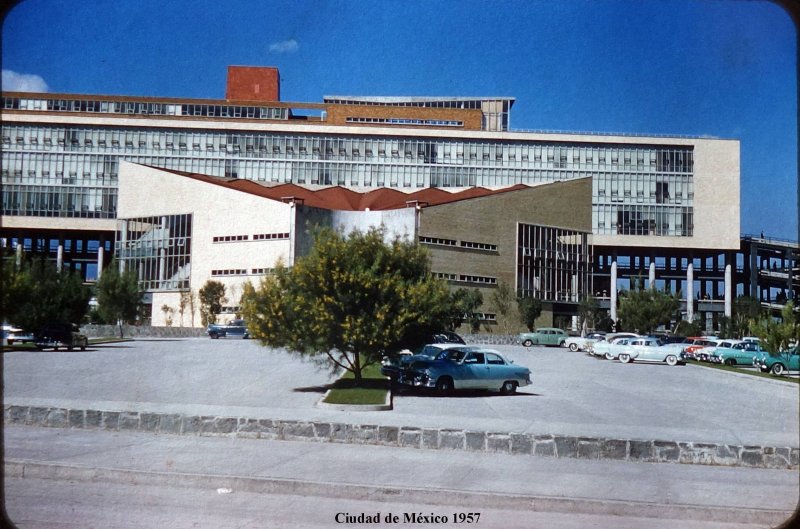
point(688, 328)
point(36, 294)
point(777, 334)
point(643, 310)
point(464, 304)
point(530, 308)
point(169, 312)
point(589, 311)
point(212, 296)
point(350, 301)
point(187, 301)
point(501, 299)
point(746, 309)
point(118, 295)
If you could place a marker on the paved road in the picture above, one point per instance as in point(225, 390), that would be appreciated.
point(572, 394)
point(304, 484)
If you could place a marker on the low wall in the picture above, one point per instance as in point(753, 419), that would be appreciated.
point(143, 331)
point(522, 444)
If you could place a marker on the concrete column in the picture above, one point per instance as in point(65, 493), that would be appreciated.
point(690, 292)
point(613, 290)
point(100, 254)
point(652, 275)
point(19, 255)
point(60, 257)
point(728, 290)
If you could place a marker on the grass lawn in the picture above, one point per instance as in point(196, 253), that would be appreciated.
point(753, 372)
point(373, 389)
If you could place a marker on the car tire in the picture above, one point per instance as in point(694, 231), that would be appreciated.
point(83, 346)
point(672, 360)
point(573, 347)
point(730, 362)
point(608, 356)
point(444, 386)
point(214, 336)
point(509, 387)
point(625, 358)
point(527, 343)
point(777, 369)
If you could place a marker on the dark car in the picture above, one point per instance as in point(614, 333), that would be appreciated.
point(234, 329)
point(415, 344)
point(66, 335)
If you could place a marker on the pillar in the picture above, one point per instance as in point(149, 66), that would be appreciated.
point(100, 254)
point(613, 290)
point(60, 257)
point(652, 275)
point(19, 255)
point(690, 292)
point(728, 290)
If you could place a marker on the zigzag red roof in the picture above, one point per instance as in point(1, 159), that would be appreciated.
point(340, 198)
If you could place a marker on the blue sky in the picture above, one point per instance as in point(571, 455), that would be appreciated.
point(724, 68)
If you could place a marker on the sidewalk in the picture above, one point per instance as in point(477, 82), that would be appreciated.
point(691, 492)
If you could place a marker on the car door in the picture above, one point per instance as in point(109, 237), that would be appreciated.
point(498, 370)
point(474, 372)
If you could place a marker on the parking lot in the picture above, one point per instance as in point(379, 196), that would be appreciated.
point(572, 393)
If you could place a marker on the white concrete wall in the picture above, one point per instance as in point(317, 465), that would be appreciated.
point(217, 211)
point(716, 203)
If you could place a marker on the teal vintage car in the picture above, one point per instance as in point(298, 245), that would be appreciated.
point(779, 363)
point(741, 354)
point(465, 368)
point(544, 336)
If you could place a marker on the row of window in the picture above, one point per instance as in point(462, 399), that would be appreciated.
point(256, 237)
point(436, 241)
point(270, 145)
point(406, 121)
point(242, 272)
point(145, 108)
point(465, 278)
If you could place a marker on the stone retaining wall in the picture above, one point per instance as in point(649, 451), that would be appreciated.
point(143, 331)
point(522, 444)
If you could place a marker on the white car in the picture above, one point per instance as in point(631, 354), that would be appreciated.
point(649, 350)
point(582, 343)
point(610, 350)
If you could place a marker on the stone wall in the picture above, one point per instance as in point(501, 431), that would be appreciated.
point(136, 331)
point(522, 444)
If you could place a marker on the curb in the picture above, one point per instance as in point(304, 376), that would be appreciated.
point(522, 444)
point(387, 404)
point(436, 496)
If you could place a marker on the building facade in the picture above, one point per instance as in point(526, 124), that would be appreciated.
point(660, 206)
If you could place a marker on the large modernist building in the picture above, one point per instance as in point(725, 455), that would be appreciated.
point(665, 209)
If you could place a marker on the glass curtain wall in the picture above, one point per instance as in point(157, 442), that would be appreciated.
point(72, 171)
point(553, 264)
point(158, 249)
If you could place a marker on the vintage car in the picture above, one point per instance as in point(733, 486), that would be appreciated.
point(575, 343)
point(544, 336)
point(14, 335)
point(466, 368)
point(610, 350)
point(649, 350)
point(391, 367)
point(694, 343)
point(739, 353)
point(706, 354)
point(57, 335)
point(779, 363)
point(233, 329)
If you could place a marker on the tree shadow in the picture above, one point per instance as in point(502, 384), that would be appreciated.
point(346, 383)
point(457, 394)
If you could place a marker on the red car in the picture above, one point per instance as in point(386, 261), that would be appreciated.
point(694, 344)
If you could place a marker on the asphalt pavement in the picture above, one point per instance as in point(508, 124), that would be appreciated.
point(468, 481)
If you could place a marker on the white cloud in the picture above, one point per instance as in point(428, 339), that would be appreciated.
point(23, 82)
point(286, 46)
